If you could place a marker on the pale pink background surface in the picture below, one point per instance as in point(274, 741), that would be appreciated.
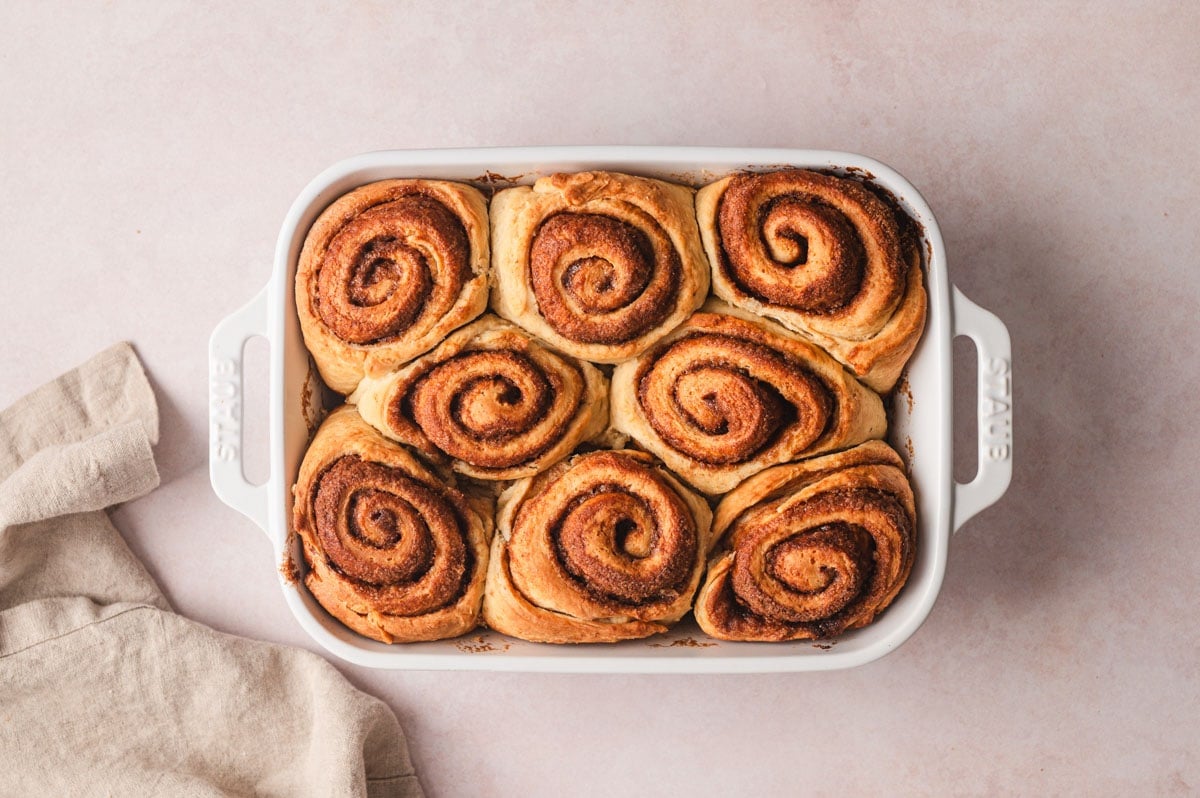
point(148, 154)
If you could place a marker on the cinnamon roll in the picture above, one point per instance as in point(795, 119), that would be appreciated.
point(603, 547)
point(601, 265)
point(825, 257)
point(811, 549)
point(387, 271)
point(393, 552)
point(727, 394)
point(491, 400)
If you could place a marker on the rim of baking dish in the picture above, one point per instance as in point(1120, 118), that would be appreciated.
point(679, 651)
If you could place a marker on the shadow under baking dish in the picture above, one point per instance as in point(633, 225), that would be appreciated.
point(920, 422)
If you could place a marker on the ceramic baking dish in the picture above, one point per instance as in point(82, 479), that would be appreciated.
point(921, 427)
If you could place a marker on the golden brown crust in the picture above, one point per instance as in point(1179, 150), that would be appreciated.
point(392, 552)
point(606, 546)
point(599, 264)
point(727, 394)
point(812, 549)
point(493, 401)
point(387, 271)
point(825, 257)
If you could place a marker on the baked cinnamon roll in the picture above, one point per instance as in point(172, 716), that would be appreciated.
point(601, 265)
point(811, 549)
point(491, 400)
point(603, 547)
point(393, 552)
point(727, 394)
point(825, 257)
point(387, 271)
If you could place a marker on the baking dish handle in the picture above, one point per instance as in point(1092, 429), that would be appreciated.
point(994, 415)
point(225, 404)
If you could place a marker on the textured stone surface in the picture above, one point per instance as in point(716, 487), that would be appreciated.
point(148, 155)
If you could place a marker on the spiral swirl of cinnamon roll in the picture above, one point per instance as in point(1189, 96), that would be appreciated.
point(387, 271)
point(494, 401)
point(726, 395)
point(811, 549)
point(599, 264)
point(822, 255)
point(606, 546)
point(392, 552)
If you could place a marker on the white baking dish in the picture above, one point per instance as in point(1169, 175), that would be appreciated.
point(921, 426)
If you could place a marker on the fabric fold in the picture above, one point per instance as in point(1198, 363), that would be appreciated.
point(113, 466)
point(109, 390)
point(69, 449)
point(103, 689)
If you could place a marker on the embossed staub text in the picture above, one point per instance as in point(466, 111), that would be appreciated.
point(995, 409)
point(225, 412)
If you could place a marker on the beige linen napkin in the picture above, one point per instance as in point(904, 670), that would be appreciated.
point(104, 690)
